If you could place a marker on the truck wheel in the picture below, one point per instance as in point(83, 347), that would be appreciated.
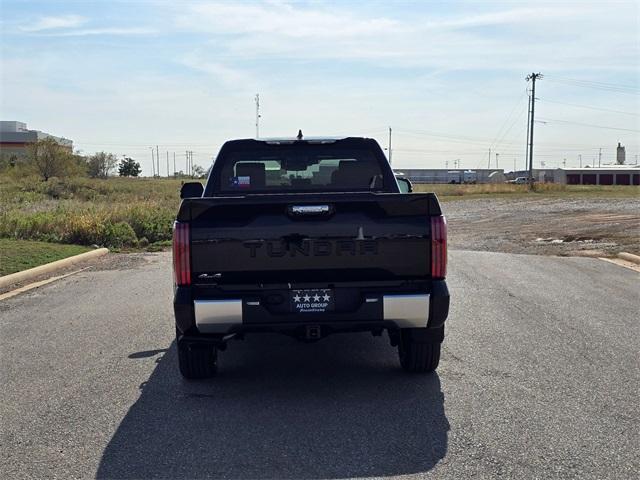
point(197, 361)
point(418, 355)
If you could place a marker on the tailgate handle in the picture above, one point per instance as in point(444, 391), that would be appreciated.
point(309, 209)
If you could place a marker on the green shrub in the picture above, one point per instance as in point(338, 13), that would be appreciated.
point(119, 235)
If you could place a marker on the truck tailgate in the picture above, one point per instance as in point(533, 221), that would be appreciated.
point(280, 239)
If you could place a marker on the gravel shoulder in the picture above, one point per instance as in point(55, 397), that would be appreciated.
point(573, 226)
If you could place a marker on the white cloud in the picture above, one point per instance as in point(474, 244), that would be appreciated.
point(218, 71)
point(54, 22)
point(104, 31)
point(551, 36)
point(502, 17)
point(67, 26)
point(282, 19)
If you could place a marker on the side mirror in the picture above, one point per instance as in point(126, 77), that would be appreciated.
point(405, 185)
point(191, 190)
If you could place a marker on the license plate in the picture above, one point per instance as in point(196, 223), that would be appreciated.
point(316, 300)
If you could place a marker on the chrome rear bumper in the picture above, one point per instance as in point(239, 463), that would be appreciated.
point(219, 316)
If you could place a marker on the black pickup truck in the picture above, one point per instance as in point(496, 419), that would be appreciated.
point(307, 237)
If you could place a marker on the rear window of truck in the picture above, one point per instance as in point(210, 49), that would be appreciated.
point(300, 169)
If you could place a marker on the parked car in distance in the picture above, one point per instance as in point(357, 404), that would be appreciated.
point(520, 181)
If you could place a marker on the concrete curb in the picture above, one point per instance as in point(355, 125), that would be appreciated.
point(30, 274)
point(629, 257)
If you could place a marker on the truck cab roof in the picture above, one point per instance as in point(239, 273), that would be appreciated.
point(292, 140)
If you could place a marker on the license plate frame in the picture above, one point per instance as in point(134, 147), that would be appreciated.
point(311, 300)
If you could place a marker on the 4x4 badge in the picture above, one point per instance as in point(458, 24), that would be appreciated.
point(207, 276)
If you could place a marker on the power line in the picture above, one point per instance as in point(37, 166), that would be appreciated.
point(589, 107)
point(593, 82)
point(603, 87)
point(428, 133)
point(516, 119)
point(508, 118)
point(568, 122)
point(500, 135)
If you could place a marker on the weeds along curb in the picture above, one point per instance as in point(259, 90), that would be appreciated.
point(629, 257)
point(30, 274)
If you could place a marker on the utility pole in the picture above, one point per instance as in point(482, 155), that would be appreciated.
point(564, 163)
point(167, 163)
point(580, 159)
point(389, 145)
point(257, 115)
point(489, 164)
point(446, 164)
point(526, 148)
point(533, 77)
point(158, 160)
point(174, 164)
point(497, 159)
point(599, 157)
point(153, 163)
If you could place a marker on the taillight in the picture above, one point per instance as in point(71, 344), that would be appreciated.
point(181, 254)
point(438, 247)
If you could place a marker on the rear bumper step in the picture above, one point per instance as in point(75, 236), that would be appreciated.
point(386, 311)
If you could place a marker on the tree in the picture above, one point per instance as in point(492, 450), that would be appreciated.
point(129, 168)
point(198, 171)
point(100, 164)
point(50, 159)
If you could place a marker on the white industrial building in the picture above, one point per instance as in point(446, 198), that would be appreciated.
point(15, 138)
point(444, 175)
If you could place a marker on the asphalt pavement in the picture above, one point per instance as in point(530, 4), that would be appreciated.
point(539, 378)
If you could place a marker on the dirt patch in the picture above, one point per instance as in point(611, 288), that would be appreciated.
point(545, 226)
point(126, 261)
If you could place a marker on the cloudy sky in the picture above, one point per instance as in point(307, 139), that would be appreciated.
point(448, 77)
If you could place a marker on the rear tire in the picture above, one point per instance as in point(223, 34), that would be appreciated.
point(197, 361)
point(418, 355)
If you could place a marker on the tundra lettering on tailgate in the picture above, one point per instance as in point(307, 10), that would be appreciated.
point(313, 248)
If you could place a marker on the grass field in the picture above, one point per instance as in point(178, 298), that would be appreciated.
point(17, 255)
point(131, 213)
point(116, 213)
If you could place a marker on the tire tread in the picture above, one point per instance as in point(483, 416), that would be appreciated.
point(197, 363)
point(418, 356)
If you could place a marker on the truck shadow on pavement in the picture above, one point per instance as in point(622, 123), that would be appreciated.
point(341, 407)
